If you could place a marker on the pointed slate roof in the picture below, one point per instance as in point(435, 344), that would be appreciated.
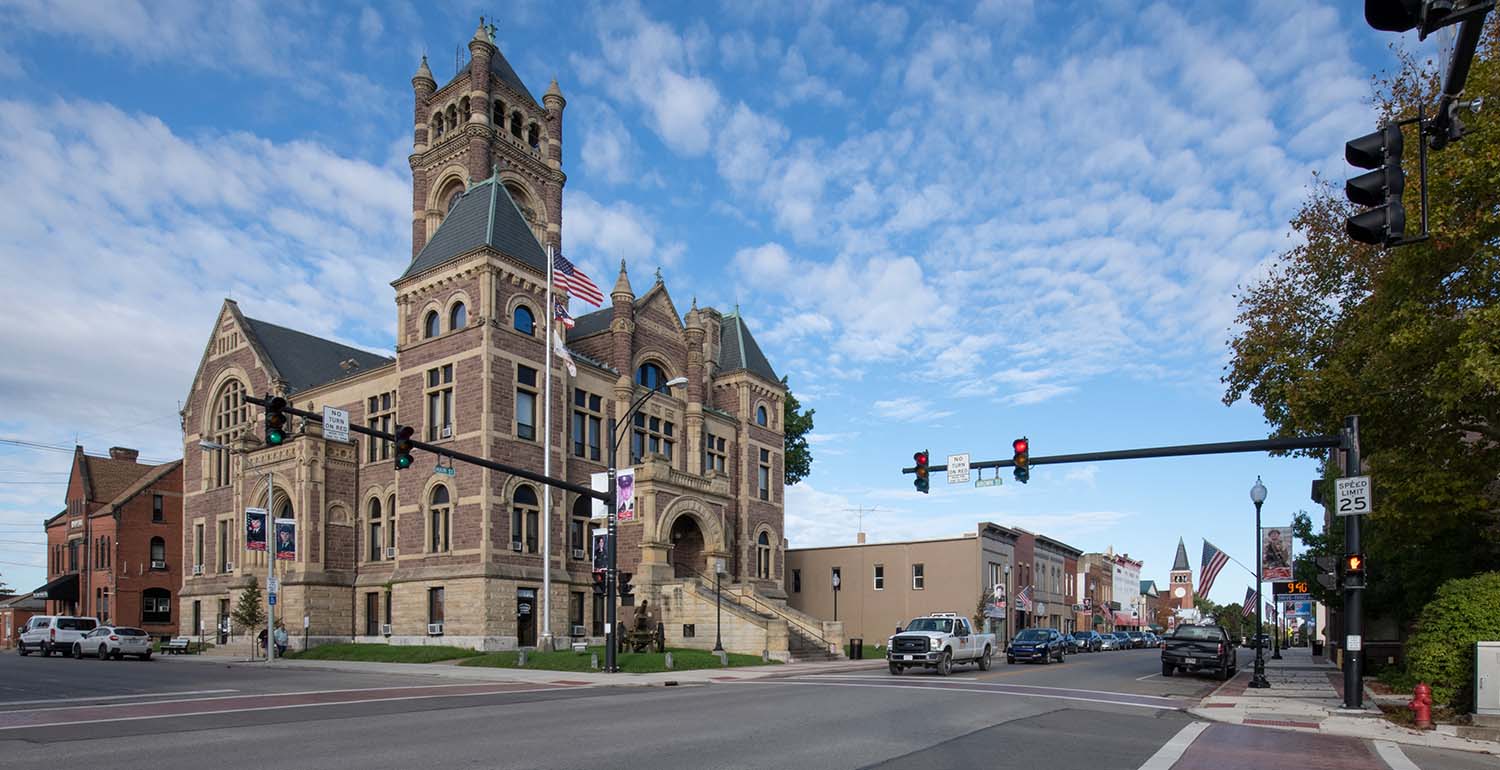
point(1181, 563)
point(502, 70)
point(738, 349)
point(591, 323)
point(305, 361)
point(484, 215)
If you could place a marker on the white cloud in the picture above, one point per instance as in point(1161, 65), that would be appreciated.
point(608, 150)
point(604, 233)
point(370, 24)
point(908, 409)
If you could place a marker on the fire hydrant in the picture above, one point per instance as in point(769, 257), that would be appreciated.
point(1421, 705)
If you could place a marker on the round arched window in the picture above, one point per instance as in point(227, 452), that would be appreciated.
point(430, 326)
point(524, 321)
point(760, 416)
point(458, 317)
point(651, 376)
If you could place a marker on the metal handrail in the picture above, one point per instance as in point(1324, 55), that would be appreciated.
point(769, 610)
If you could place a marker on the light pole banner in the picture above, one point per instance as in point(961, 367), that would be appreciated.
point(286, 539)
point(1276, 553)
point(625, 495)
point(255, 529)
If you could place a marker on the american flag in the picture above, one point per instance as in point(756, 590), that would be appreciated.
point(1250, 598)
point(573, 281)
point(1023, 599)
point(560, 313)
point(1213, 561)
point(1271, 610)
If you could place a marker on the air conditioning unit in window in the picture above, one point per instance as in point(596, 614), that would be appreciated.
point(578, 553)
point(197, 569)
point(447, 431)
point(434, 629)
point(228, 566)
point(515, 545)
point(385, 629)
point(578, 631)
point(158, 564)
point(390, 552)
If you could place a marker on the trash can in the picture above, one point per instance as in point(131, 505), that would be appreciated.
point(1317, 648)
point(856, 649)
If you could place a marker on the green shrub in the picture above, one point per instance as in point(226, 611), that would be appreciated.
point(1441, 652)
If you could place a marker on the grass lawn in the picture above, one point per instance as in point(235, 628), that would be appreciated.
point(871, 651)
point(630, 662)
point(383, 653)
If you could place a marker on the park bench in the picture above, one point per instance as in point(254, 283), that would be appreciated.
point(177, 646)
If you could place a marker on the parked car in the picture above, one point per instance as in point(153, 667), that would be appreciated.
point(1108, 641)
point(1123, 640)
point(1043, 644)
point(938, 641)
point(1137, 639)
point(1199, 648)
point(1089, 641)
point(53, 633)
point(114, 642)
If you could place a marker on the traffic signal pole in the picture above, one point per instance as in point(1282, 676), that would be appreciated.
point(1183, 450)
point(1354, 689)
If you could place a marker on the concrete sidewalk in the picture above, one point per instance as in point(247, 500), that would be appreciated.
point(451, 670)
point(1307, 693)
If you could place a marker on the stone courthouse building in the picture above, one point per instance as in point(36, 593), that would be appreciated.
point(416, 557)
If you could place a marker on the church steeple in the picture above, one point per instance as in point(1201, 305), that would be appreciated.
point(1181, 580)
point(1181, 564)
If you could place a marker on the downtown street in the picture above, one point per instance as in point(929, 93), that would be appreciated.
point(1109, 710)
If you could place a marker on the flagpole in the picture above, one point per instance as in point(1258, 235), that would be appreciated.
point(546, 635)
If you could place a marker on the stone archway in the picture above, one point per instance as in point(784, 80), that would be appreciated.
point(685, 548)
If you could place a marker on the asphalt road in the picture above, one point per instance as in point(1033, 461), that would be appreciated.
point(1095, 711)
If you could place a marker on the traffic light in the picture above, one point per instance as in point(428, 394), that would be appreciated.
point(599, 589)
point(1385, 223)
point(627, 591)
point(403, 446)
point(1327, 571)
point(1354, 570)
point(1022, 447)
point(921, 482)
point(276, 421)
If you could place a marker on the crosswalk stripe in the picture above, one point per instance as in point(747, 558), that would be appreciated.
point(1172, 750)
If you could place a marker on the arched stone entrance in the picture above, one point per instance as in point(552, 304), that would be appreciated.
point(685, 549)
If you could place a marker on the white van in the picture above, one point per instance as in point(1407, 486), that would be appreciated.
point(53, 633)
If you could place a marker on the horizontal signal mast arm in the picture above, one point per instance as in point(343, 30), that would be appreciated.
point(1183, 450)
point(456, 455)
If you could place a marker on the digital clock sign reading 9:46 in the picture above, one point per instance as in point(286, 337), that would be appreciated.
point(1290, 590)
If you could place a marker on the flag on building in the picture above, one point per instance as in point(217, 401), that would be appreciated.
point(572, 280)
point(1213, 561)
point(562, 351)
point(1023, 599)
point(1271, 611)
point(1250, 599)
point(560, 313)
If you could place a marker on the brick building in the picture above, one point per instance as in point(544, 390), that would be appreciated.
point(111, 552)
point(411, 555)
point(15, 611)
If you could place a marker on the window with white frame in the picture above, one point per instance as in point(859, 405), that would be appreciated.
point(380, 414)
point(918, 577)
point(879, 577)
point(763, 556)
point(440, 402)
point(440, 514)
point(524, 515)
point(526, 403)
point(374, 526)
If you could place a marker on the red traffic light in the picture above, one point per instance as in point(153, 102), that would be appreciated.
point(1021, 445)
point(921, 458)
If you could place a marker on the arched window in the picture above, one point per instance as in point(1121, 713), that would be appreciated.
point(499, 113)
point(763, 556)
point(652, 376)
point(524, 321)
point(440, 516)
point(533, 135)
point(524, 513)
point(158, 553)
point(430, 326)
point(458, 317)
point(376, 542)
point(453, 196)
point(578, 526)
point(156, 606)
point(390, 505)
point(760, 416)
point(230, 415)
point(437, 125)
point(515, 124)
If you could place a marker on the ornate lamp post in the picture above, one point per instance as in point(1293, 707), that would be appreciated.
point(1258, 681)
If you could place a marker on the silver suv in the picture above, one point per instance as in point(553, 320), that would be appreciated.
point(114, 642)
point(53, 633)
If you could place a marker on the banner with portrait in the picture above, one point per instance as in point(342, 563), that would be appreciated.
point(255, 529)
point(625, 495)
point(601, 550)
point(1276, 553)
point(286, 539)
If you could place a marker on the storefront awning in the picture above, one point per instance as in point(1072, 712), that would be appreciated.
point(63, 589)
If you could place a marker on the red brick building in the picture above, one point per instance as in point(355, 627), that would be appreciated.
point(15, 610)
point(413, 555)
point(111, 552)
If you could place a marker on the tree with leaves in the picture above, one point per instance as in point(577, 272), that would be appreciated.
point(796, 424)
point(250, 611)
point(1408, 338)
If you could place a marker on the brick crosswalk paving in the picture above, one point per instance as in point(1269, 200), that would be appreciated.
point(1237, 747)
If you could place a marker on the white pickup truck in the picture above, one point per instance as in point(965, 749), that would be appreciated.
point(938, 641)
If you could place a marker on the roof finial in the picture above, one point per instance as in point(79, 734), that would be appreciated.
point(658, 274)
point(495, 170)
point(695, 301)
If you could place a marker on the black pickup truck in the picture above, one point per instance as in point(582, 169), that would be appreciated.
point(1198, 648)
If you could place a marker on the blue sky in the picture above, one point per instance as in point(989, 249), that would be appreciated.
point(950, 223)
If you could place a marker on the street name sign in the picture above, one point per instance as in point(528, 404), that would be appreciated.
point(958, 468)
point(335, 424)
point(1353, 496)
point(995, 482)
point(446, 470)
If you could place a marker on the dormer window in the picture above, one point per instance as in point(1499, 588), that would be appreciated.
point(652, 376)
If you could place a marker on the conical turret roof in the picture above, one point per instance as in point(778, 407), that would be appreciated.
point(1181, 563)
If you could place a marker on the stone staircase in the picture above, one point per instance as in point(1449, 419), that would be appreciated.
point(752, 624)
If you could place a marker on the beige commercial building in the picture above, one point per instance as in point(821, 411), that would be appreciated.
point(885, 585)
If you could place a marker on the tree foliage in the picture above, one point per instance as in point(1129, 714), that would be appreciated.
point(1407, 338)
point(250, 611)
point(1441, 652)
point(795, 424)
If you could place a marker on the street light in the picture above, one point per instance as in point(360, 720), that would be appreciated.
point(718, 606)
point(612, 633)
point(836, 582)
point(1258, 681)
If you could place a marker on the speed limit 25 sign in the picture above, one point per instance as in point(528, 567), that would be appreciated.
point(1353, 496)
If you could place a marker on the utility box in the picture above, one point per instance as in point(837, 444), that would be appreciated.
point(1487, 678)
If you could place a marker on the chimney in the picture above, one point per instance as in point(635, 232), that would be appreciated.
point(123, 453)
point(861, 540)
